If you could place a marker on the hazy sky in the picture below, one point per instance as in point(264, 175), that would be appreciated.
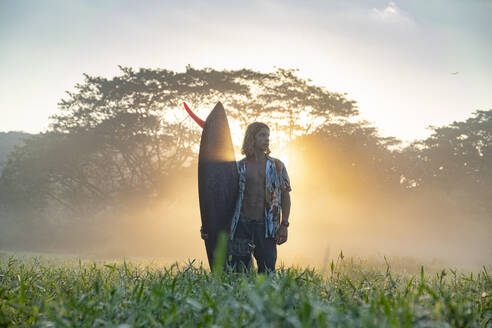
point(395, 58)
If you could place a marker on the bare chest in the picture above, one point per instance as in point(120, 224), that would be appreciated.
point(255, 175)
point(254, 194)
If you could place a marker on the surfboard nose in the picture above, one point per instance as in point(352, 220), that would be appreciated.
point(219, 105)
point(218, 113)
point(216, 142)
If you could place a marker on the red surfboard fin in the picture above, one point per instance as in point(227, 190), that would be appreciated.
point(193, 116)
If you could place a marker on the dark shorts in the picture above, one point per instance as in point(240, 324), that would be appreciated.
point(249, 238)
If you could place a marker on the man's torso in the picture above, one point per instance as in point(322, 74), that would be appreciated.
point(254, 193)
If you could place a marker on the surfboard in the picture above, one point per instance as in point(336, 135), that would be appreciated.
point(217, 177)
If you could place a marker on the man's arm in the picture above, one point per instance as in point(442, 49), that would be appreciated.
point(285, 206)
point(281, 236)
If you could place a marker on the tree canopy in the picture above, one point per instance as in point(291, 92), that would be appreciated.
point(280, 97)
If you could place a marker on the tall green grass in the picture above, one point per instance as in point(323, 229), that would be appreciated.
point(47, 292)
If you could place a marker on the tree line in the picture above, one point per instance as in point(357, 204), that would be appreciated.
point(126, 140)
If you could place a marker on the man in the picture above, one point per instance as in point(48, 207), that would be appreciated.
point(262, 201)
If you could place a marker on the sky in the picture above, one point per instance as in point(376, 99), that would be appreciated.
point(396, 59)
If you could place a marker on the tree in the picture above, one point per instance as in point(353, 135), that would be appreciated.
point(8, 141)
point(456, 158)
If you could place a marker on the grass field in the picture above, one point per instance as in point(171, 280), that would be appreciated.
point(54, 292)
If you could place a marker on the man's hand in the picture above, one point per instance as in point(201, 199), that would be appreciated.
point(281, 236)
point(203, 234)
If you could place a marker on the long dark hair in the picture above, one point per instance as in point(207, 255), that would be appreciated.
point(248, 147)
